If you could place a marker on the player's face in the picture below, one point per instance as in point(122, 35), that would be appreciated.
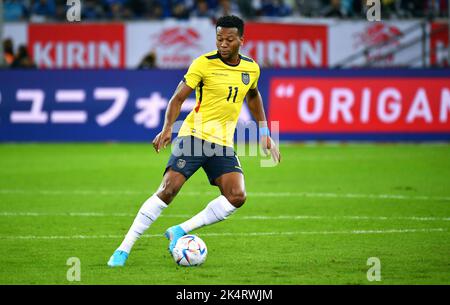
point(228, 42)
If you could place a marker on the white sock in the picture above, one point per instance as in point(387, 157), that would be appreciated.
point(217, 210)
point(147, 214)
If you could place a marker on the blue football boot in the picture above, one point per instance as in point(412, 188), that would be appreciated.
point(173, 234)
point(118, 259)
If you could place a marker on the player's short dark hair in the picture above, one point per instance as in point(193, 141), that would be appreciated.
point(231, 22)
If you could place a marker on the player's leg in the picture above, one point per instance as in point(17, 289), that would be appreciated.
point(148, 213)
point(232, 188)
point(180, 167)
point(152, 207)
point(226, 173)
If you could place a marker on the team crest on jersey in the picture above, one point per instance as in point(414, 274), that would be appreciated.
point(181, 163)
point(245, 78)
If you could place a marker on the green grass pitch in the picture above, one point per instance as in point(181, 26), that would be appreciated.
point(315, 219)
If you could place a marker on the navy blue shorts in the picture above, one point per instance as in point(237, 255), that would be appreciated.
point(190, 153)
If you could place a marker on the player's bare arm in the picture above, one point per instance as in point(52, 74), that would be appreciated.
point(173, 111)
point(255, 105)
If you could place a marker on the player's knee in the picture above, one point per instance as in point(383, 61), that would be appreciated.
point(237, 198)
point(168, 191)
point(167, 194)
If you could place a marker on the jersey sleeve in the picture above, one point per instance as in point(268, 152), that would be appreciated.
point(255, 82)
point(194, 75)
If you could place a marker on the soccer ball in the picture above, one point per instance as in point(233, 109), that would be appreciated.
point(190, 250)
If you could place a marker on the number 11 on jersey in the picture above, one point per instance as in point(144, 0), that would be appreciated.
point(231, 91)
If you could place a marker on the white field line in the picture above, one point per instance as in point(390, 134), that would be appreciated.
point(250, 194)
point(253, 217)
point(350, 232)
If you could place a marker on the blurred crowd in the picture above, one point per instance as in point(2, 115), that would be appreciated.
point(92, 10)
point(16, 60)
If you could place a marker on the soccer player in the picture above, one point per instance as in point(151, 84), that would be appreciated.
point(222, 79)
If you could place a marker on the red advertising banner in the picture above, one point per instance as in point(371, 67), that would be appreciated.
point(287, 45)
point(439, 44)
point(360, 105)
point(77, 45)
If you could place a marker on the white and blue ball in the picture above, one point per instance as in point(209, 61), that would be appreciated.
point(190, 250)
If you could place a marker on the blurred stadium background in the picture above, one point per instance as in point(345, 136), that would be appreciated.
point(93, 90)
point(328, 74)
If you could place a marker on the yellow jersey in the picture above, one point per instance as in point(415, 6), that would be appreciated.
point(220, 90)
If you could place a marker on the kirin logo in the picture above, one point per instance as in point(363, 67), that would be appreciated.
point(177, 38)
point(379, 39)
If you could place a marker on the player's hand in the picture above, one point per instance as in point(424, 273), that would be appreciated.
point(269, 145)
point(162, 139)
